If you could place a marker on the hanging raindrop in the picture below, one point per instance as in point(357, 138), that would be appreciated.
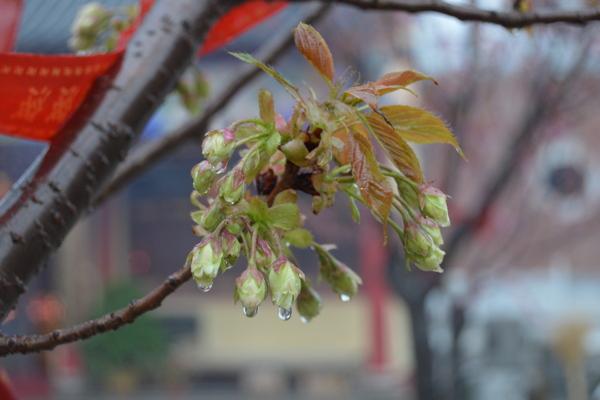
point(250, 312)
point(304, 319)
point(285, 313)
point(344, 297)
point(204, 288)
point(220, 167)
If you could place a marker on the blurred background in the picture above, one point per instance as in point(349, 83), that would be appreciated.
point(515, 316)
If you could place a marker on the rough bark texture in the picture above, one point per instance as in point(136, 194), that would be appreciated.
point(35, 218)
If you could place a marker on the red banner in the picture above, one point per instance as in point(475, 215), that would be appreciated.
point(39, 93)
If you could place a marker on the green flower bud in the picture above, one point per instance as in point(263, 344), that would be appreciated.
point(213, 216)
point(251, 290)
point(218, 147)
point(231, 248)
point(206, 260)
point(342, 279)
point(432, 230)
point(431, 262)
point(91, 20)
point(285, 283)
point(433, 205)
point(203, 176)
point(309, 302)
point(409, 192)
point(232, 187)
point(416, 239)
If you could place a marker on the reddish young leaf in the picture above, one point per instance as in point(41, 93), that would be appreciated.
point(367, 93)
point(419, 126)
point(397, 80)
point(313, 47)
point(401, 154)
point(372, 184)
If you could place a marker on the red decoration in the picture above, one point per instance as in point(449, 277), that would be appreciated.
point(239, 20)
point(39, 93)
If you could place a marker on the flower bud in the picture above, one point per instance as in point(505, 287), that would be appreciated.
point(251, 290)
point(213, 216)
point(416, 239)
point(231, 248)
point(206, 260)
point(343, 281)
point(218, 147)
point(232, 187)
point(433, 205)
point(309, 302)
point(91, 20)
point(431, 262)
point(432, 229)
point(408, 191)
point(285, 283)
point(203, 176)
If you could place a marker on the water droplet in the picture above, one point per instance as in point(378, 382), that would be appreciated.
point(285, 313)
point(220, 167)
point(249, 312)
point(345, 298)
point(304, 319)
point(204, 288)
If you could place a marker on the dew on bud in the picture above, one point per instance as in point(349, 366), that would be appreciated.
point(204, 288)
point(304, 319)
point(219, 168)
point(345, 298)
point(250, 312)
point(285, 313)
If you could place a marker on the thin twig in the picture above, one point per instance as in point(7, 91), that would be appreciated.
point(507, 19)
point(149, 153)
point(25, 344)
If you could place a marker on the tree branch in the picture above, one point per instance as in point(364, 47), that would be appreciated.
point(38, 212)
point(152, 151)
point(25, 344)
point(507, 19)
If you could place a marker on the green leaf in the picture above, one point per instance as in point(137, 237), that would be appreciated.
point(247, 58)
point(196, 216)
point(258, 211)
point(266, 106)
point(419, 126)
point(372, 184)
point(287, 196)
point(299, 237)
point(284, 216)
point(398, 80)
point(354, 211)
point(396, 148)
point(313, 47)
